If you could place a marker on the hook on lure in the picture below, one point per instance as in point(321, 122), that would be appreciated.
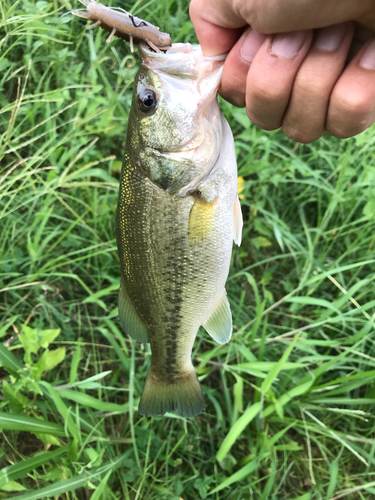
point(124, 25)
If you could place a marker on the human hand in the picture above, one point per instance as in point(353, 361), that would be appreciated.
point(290, 68)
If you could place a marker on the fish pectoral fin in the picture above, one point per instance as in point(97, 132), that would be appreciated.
point(219, 323)
point(237, 222)
point(201, 220)
point(130, 321)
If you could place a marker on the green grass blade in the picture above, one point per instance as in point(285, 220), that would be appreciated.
point(237, 476)
point(9, 359)
point(20, 469)
point(17, 422)
point(91, 402)
point(266, 384)
point(236, 430)
point(62, 409)
point(73, 483)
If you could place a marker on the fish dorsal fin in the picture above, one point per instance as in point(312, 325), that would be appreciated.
point(130, 321)
point(219, 323)
point(237, 222)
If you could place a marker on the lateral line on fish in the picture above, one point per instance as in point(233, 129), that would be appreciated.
point(124, 25)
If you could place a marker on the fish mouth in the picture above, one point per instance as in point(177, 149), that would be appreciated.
point(178, 49)
point(183, 60)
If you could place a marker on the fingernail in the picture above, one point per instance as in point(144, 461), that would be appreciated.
point(367, 60)
point(288, 45)
point(252, 42)
point(329, 38)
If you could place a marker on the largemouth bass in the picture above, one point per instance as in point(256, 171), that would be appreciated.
point(178, 213)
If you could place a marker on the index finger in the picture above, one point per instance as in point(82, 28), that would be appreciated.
point(217, 26)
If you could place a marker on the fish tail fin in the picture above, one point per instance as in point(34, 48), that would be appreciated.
point(183, 395)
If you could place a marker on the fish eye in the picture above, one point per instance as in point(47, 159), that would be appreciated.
point(147, 100)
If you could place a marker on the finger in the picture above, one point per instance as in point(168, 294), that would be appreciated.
point(215, 21)
point(304, 120)
point(271, 75)
point(217, 26)
point(352, 103)
point(236, 67)
point(362, 34)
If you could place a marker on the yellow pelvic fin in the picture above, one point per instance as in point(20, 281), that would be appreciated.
point(201, 221)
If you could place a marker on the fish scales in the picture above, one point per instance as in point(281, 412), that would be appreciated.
point(174, 233)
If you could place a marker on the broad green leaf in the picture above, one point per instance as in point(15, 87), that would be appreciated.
point(30, 341)
point(46, 337)
point(49, 359)
point(15, 398)
point(48, 438)
point(369, 208)
point(12, 486)
point(236, 430)
point(33, 339)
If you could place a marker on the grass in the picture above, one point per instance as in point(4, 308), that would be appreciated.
point(290, 400)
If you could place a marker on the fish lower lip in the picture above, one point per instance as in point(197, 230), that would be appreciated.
point(187, 150)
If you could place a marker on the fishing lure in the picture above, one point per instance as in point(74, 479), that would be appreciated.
point(124, 25)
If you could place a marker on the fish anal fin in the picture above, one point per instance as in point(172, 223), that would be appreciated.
point(219, 323)
point(201, 220)
point(129, 318)
point(237, 222)
point(182, 394)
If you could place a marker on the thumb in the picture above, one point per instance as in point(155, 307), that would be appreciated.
point(217, 26)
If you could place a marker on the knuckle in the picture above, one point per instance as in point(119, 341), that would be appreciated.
point(311, 86)
point(256, 15)
point(349, 114)
point(261, 122)
point(300, 135)
point(233, 90)
point(267, 94)
point(353, 104)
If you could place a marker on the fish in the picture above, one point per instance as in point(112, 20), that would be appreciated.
point(177, 216)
